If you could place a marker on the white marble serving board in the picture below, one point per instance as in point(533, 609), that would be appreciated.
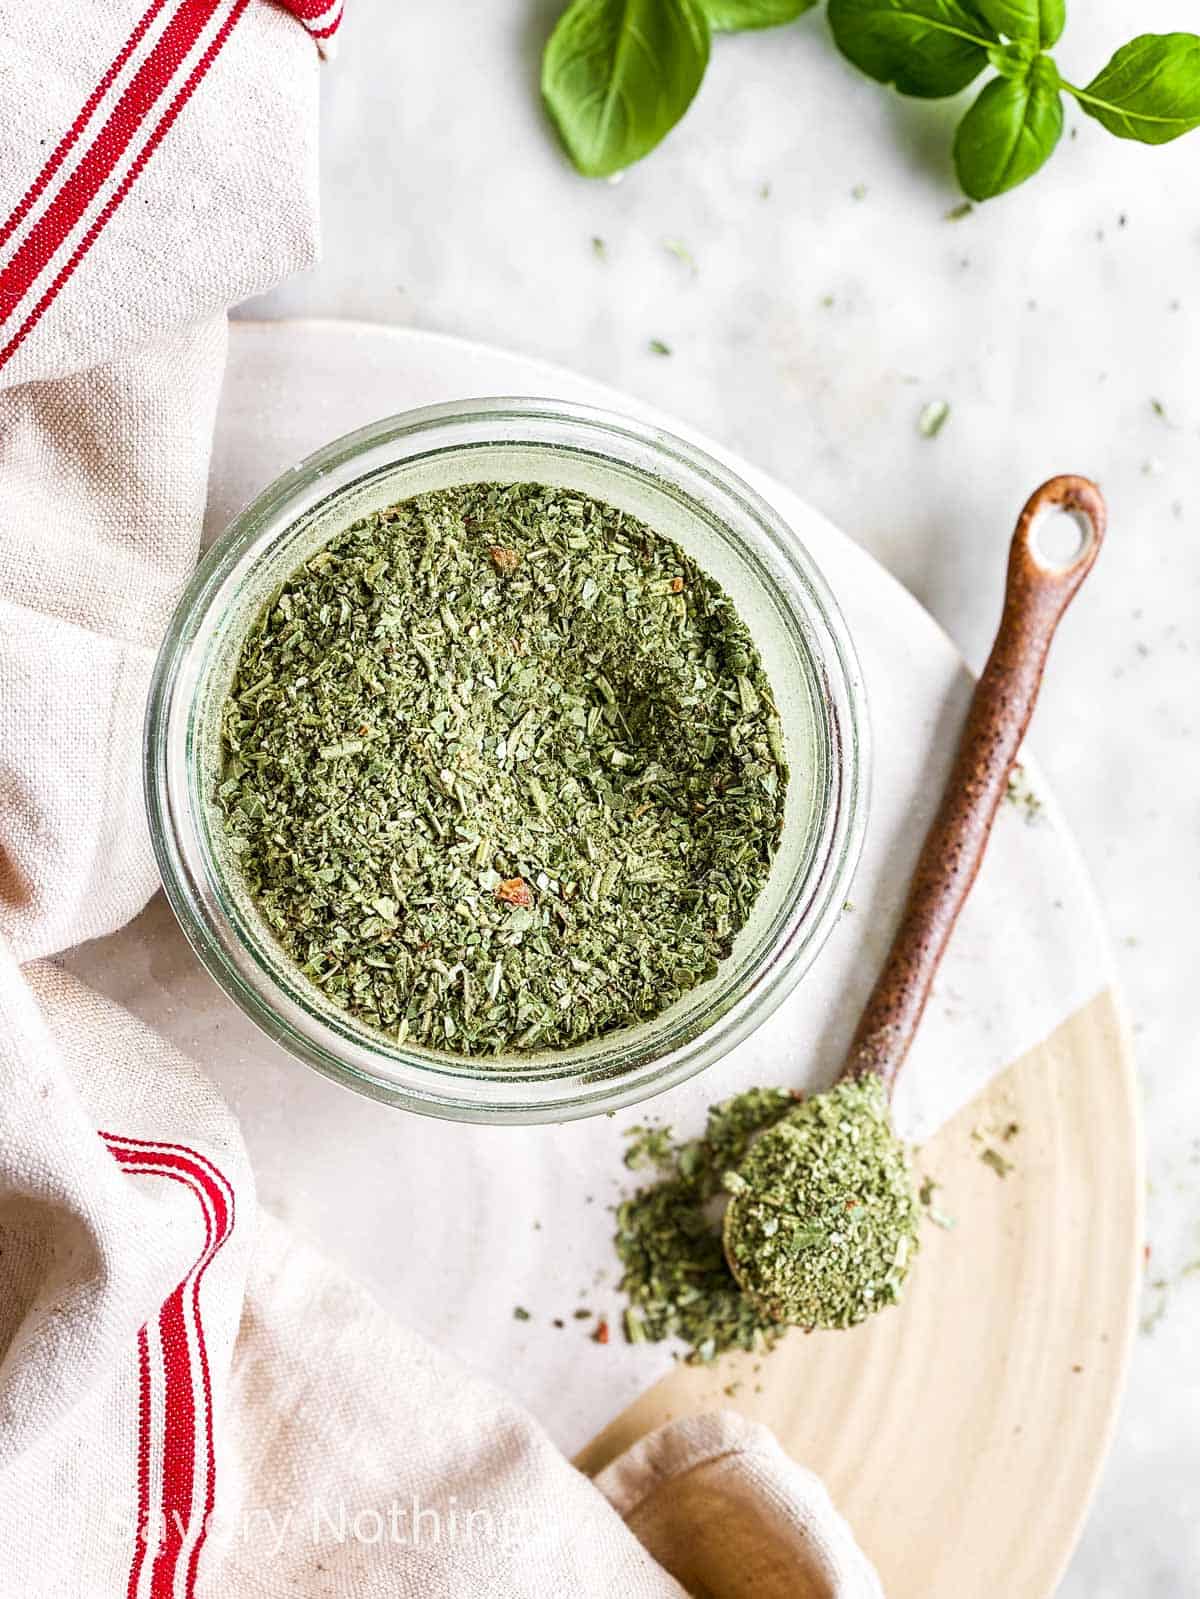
point(453, 1225)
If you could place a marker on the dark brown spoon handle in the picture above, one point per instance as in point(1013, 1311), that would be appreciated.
point(1037, 594)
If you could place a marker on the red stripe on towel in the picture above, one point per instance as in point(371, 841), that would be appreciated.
point(170, 1506)
point(69, 139)
point(148, 149)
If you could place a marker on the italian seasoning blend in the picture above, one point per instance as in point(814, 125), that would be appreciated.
point(822, 1211)
point(823, 1218)
point(502, 769)
point(668, 1237)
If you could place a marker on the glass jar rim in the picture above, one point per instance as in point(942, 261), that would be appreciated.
point(553, 1087)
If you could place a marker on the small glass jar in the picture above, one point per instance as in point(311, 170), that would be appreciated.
point(683, 494)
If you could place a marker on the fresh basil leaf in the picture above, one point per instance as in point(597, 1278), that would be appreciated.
point(928, 48)
point(1150, 90)
point(1012, 60)
point(617, 75)
point(734, 16)
point(1041, 22)
point(1009, 132)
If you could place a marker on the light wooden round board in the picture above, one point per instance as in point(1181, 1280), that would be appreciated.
point(962, 1433)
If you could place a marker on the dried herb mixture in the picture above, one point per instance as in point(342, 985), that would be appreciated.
point(669, 1234)
point(823, 1218)
point(502, 769)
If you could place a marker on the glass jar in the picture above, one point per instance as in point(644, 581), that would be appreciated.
point(683, 494)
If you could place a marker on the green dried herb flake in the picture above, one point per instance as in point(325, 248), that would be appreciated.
point(933, 418)
point(501, 770)
point(649, 1146)
point(998, 1162)
point(1019, 793)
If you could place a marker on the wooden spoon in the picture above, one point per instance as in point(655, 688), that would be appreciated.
point(1037, 594)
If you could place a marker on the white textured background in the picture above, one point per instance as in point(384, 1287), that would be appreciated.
point(1049, 320)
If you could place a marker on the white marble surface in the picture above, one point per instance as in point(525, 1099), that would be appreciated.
point(1049, 320)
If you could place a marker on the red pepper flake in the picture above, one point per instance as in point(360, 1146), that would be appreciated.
point(505, 561)
point(600, 1336)
point(515, 891)
point(677, 585)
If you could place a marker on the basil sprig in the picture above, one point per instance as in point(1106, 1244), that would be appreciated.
point(617, 75)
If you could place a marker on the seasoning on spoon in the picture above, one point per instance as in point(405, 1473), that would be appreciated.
point(822, 1219)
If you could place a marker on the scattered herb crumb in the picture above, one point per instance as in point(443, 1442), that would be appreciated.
point(993, 1158)
point(682, 254)
point(933, 418)
point(1157, 1309)
point(659, 347)
point(649, 1146)
point(520, 1313)
point(599, 247)
point(959, 211)
point(859, 192)
point(929, 1186)
point(582, 1314)
point(1019, 793)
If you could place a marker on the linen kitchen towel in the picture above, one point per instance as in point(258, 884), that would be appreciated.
point(190, 1403)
